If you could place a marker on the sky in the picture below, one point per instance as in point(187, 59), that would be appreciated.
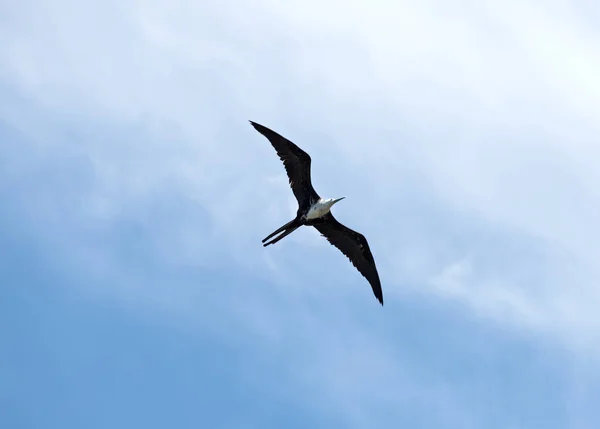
point(135, 289)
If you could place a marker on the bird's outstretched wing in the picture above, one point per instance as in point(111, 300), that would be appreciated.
point(296, 163)
point(354, 245)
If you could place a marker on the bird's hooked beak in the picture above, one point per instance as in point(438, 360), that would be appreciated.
point(338, 199)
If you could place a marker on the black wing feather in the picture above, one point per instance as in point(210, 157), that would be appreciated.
point(354, 245)
point(297, 165)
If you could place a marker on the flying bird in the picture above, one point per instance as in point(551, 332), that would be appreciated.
point(315, 211)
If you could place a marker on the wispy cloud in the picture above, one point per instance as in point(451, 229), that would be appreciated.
point(467, 131)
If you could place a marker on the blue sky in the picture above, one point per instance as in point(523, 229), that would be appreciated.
point(135, 193)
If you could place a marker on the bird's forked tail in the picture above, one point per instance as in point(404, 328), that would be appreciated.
point(287, 229)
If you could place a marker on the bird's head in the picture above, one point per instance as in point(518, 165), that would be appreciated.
point(332, 201)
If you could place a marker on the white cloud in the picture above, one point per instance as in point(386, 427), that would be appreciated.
point(486, 113)
point(472, 128)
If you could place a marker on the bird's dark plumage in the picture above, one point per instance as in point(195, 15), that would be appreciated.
point(354, 245)
point(296, 163)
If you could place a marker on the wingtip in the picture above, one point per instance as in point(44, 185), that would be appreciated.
point(256, 125)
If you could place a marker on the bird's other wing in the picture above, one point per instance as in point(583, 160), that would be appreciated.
point(296, 163)
point(354, 245)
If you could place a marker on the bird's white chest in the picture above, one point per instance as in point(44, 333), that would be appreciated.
point(317, 210)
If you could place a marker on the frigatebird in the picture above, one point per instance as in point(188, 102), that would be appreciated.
point(315, 211)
